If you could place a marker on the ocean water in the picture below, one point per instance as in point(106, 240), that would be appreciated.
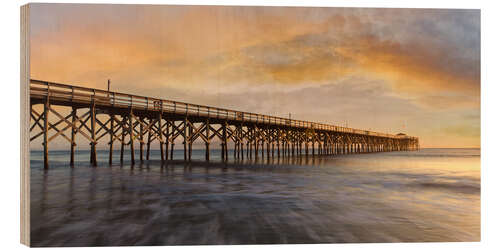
point(416, 196)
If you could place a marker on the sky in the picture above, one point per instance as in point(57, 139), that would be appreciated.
point(415, 71)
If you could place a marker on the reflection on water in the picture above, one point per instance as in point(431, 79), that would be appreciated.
point(429, 195)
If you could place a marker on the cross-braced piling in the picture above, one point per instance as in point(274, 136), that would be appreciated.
point(123, 118)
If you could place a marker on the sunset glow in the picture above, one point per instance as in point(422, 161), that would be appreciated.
point(415, 71)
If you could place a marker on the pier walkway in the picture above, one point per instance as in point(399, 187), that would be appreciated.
point(125, 119)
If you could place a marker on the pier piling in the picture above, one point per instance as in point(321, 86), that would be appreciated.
point(164, 121)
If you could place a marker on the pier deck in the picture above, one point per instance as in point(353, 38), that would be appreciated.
point(124, 118)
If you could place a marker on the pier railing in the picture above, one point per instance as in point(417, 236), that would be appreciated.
point(76, 94)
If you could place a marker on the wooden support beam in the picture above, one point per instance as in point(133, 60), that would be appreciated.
point(46, 107)
point(131, 135)
point(283, 147)
point(267, 143)
point(256, 141)
point(172, 151)
point(167, 135)
point(36, 119)
point(207, 143)
point(103, 126)
point(59, 131)
point(299, 146)
point(148, 144)
point(262, 147)
point(190, 139)
point(312, 145)
point(222, 156)
point(112, 129)
point(278, 142)
point(185, 137)
point(224, 141)
point(288, 143)
point(73, 133)
point(250, 142)
point(238, 141)
point(248, 149)
point(123, 138)
point(141, 139)
point(241, 137)
point(160, 138)
point(93, 151)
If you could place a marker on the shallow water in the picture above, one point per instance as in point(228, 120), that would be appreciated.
point(426, 195)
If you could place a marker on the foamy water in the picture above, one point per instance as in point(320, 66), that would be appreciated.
point(426, 195)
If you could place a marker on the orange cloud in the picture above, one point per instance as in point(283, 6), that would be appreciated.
point(424, 57)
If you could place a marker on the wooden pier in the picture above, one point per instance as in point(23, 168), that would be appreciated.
point(111, 117)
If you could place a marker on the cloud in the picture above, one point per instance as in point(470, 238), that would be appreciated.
point(323, 64)
point(461, 130)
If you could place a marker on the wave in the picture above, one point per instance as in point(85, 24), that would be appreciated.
point(453, 186)
point(438, 155)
